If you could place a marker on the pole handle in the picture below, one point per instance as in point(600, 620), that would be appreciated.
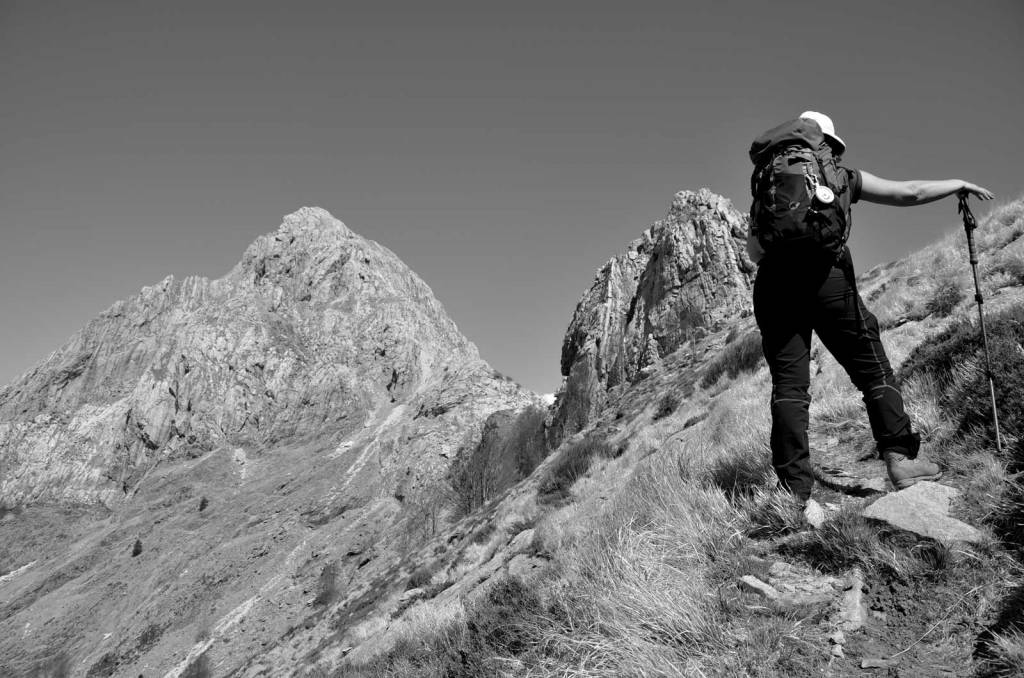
point(969, 225)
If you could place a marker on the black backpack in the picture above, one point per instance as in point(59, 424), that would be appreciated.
point(801, 198)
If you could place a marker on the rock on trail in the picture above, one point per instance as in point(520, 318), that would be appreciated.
point(923, 509)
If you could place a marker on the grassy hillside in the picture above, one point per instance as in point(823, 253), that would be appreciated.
point(675, 500)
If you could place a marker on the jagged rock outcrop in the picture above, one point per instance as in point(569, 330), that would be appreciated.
point(316, 332)
point(687, 273)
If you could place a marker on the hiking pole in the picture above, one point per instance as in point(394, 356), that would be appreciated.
point(969, 225)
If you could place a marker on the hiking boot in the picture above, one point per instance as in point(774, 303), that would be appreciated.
point(905, 471)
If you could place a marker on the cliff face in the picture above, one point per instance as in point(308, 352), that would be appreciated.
point(686, 274)
point(315, 332)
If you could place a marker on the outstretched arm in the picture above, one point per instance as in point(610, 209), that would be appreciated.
point(916, 192)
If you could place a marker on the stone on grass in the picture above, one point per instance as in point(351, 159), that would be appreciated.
point(923, 509)
point(749, 582)
point(521, 542)
point(853, 612)
point(410, 595)
point(524, 567)
point(800, 585)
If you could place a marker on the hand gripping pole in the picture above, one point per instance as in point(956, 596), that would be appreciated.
point(969, 225)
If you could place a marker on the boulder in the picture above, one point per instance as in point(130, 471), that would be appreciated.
point(923, 509)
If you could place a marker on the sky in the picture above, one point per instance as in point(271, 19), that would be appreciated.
point(504, 151)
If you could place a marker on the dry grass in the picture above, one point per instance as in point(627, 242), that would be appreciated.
point(738, 356)
point(636, 597)
point(574, 459)
point(937, 279)
point(643, 583)
point(1006, 655)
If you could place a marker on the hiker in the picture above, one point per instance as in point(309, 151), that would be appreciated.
point(800, 221)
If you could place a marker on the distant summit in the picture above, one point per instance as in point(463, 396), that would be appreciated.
point(315, 332)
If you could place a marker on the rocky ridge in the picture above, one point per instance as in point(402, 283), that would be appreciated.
point(315, 332)
point(225, 440)
point(685, 275)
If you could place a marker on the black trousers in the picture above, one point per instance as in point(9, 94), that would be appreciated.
point(791, 298)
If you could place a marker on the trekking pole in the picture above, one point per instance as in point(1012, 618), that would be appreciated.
point(969, 225)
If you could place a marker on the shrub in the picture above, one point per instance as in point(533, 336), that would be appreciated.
point(104, 666)
point(507, 621)
point(573, 462)
point(740, 472)
point(1004, 654)
point(843, 542)
point(137, 548)
point(327, 588)
point(420, 577)
point(1010, 265)
point(668, 404)
point(511, 447)
point(772, 514)
point(1005, 225)
point(944, 299)
point(744, 355)
point(955, 359)
point(198, 668)
point(523, 524)
point(203, 503)
point(58, 666)
point(1007, 517)
point(434, 590)
point(483, 534)
point(1001, 645)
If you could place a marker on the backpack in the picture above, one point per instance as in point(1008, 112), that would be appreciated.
point(801, 198)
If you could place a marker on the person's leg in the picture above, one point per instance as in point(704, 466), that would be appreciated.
point(785, 340)
point(859, 349)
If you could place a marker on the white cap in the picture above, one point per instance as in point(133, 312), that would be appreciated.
point(825, 123)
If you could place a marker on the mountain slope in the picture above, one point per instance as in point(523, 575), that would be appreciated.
point(648, 543)
point(315, 331)
point(668, 551)
point(195, 457)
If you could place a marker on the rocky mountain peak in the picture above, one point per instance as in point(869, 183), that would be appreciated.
point(687, 273)
point(688, 203)
point(315, 330)
point(315, 219)
point(304, 409)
